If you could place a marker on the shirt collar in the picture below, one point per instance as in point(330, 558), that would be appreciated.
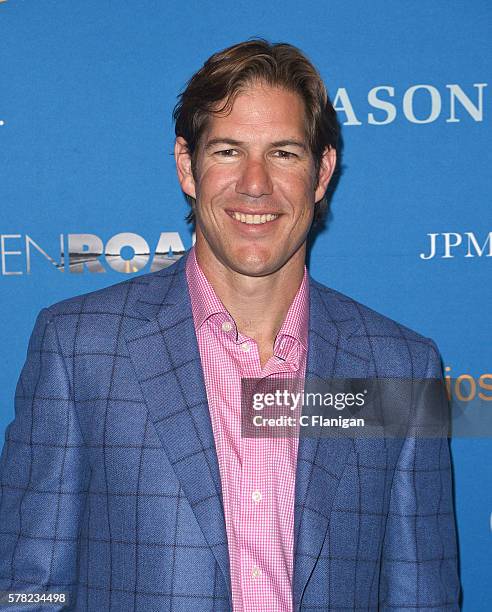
point(205, 303)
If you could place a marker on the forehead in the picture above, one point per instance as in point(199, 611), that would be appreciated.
point(261, 109)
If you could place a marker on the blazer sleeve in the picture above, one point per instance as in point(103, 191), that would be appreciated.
point(43, 475)
point(419, 567)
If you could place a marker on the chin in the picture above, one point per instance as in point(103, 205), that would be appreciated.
point(254, 264)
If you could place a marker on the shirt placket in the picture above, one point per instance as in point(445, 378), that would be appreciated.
point(250, 489)
point(259, 589)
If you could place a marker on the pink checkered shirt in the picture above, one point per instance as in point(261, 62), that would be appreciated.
point(257, 474)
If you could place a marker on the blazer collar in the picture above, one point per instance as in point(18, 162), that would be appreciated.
point(168, 287)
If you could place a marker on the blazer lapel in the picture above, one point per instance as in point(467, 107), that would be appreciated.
point(332, 352)
point(164, 352)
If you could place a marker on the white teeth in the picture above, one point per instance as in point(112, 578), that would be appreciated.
point(253, 219)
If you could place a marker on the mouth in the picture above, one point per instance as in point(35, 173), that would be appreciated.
point(249, 219)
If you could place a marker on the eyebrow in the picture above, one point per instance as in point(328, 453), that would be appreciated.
point(238, 143)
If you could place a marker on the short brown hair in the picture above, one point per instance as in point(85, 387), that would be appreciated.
point(230, 71)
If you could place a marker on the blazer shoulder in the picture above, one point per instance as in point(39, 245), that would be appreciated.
point(113, 299)
point(388, 342)
point(119, 298)
point(105, 312)
point(370, 322)
point(99, 318)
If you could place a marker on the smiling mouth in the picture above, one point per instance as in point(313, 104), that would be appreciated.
point(253, 219)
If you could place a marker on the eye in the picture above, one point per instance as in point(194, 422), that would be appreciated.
point(226, 153)
point(284, 154)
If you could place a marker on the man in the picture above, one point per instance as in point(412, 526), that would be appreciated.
point(126, 482)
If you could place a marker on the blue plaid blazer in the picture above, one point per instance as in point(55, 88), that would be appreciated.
point(110, 486)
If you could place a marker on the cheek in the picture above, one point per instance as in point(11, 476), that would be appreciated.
point(298, 190)
point(214, 181)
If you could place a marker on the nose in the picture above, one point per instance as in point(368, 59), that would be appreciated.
point(254, 180)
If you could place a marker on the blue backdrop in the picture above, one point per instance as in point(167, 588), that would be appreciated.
point(86, 138)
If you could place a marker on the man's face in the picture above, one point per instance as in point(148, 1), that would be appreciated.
point(255, 184)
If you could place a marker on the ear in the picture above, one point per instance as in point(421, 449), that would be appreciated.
point(326, 169)
point(183, 167)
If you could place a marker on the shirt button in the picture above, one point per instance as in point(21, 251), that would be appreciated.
point(255, 572)
point(256, 495)
point(245, 347)
point(226, 326)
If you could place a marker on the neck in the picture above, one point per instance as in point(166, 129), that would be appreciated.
point(258, 304)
